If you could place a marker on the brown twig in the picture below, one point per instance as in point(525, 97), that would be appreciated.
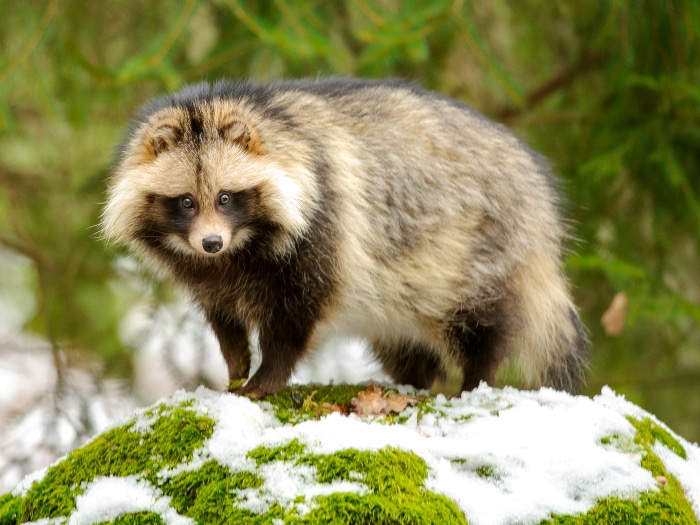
point(563, 78)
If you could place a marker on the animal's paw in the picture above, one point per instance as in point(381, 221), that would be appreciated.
point(254, 390)
point(252, 393)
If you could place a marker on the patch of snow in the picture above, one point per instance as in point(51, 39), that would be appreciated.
point(543, 449)
point(107, 498)
point(283, 485)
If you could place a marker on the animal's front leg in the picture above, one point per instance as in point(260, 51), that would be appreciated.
point(282, 346)
point(234, 343)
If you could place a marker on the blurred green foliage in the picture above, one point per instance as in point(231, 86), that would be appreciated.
point(608, 90)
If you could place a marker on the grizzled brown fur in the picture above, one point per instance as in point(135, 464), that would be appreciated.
point(303, 209)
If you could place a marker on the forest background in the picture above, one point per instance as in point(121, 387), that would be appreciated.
point(609, 91)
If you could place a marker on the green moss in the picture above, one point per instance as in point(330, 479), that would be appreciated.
point(485, 471)
point(303, 402)
point(649, 432)
point(395, 479)
point(207, 494)
point(667, 505)
point(137, 518)
point(653, 508)
point(386, 509)
point(287, 452)
point(388, 470)
point(175, 434)
point(10, 508)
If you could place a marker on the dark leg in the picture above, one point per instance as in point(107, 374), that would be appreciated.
point(481, 347)
point(409, 363)
point(233, 341)
point(282, 345)
point(480, 355)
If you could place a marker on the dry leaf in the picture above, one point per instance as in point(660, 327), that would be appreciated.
point(371, 402)
point(613, 319)
point(395, 403)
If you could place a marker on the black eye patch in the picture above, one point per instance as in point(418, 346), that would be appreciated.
point(177, 216)
point(238, 207)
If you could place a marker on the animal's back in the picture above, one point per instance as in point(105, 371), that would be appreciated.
point(444, 208)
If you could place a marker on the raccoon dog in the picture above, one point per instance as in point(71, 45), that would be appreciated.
point(307, 208)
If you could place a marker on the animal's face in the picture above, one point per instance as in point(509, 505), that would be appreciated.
point(199, 181)
point(206, 202)
point(207, 225)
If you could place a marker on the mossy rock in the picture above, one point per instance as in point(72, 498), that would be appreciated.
point(489, 457)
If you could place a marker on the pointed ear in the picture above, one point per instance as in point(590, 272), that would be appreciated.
point(163, 139)
point(236, 132)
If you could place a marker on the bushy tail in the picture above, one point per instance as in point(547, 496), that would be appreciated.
point(567, 370)
point(551, 346)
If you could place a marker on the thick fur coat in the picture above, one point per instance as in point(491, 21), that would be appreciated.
point(307, 208)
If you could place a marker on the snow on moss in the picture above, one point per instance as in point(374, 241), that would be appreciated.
point(489, 457)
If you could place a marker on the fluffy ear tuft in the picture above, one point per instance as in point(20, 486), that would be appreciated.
point(236, 132)
point(163, 139)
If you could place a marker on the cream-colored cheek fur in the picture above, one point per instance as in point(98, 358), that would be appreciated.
point(118, 221)
point(132, 182)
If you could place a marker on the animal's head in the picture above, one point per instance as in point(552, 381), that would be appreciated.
point(202, 175)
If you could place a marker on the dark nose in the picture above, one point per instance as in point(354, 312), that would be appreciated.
point(212, 244)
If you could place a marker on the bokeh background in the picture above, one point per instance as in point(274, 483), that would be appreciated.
point(609, 91)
